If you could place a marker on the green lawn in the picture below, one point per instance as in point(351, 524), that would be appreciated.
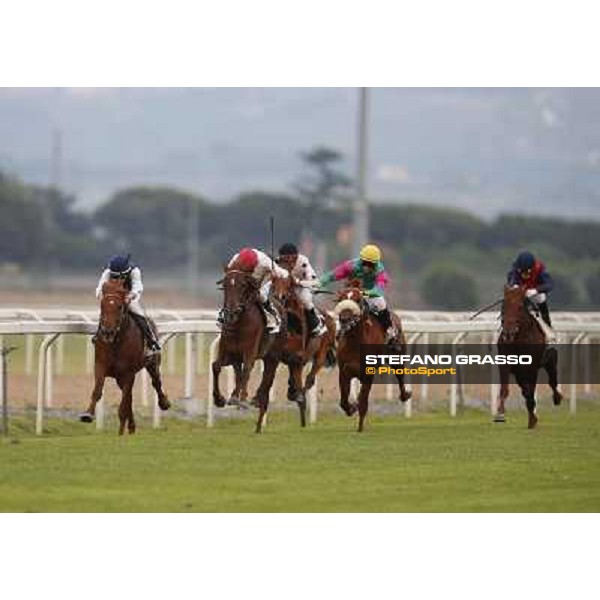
point(428, 463)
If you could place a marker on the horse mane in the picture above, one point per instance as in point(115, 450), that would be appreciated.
point(113, 286)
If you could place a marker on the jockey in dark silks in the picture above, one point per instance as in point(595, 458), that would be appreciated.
point(120, 267)
point(530, 273)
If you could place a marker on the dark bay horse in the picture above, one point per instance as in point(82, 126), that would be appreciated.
point(522, 334)
point(244, 340)
point(359, 326)
point(300, 348)
point(120, 354)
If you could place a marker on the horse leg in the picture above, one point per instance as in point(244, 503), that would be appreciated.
point(153, 368)
point(298, 396)
point(405, 394)
point(318, 362)
point(248, 364)
point(363, 402)
point(99, 376)
point(503, 394)
point(235, 395)
point(527, 385)
point(551, 367)
point(344, 381)
point(262, 394)
point(218, 398)
point(123, 408)
point(128, 396)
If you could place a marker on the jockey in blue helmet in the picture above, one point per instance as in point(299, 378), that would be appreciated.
point(121, 267)
point(530, 273)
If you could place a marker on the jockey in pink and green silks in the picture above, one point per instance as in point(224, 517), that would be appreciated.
point(368, 268)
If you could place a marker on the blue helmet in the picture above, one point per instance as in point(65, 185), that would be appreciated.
point(119, 265)
point(525, 261)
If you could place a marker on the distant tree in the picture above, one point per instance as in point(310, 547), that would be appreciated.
point(592, 285)
point(565, 294)
point(449, 287)
point(323, 185)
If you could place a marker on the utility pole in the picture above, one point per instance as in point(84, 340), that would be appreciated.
point(360, 209)
point(193, 247)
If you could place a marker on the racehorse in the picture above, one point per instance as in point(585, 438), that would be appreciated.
point(244, 339)
point(522, 334)
point(300, 348)
point(359, 326)
point(120, 354)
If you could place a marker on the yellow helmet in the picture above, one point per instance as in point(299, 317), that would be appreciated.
point(370, 253)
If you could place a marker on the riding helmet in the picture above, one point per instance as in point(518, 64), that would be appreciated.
point(120, 265)
point(525, 261)
point(370, 253)
point(288, 250)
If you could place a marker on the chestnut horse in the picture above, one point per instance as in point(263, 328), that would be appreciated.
point(359, 326)
point(522, 334)
point(244, 339)
point(120, 354)
point(300, 348)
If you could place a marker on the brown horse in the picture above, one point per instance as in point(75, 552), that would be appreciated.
point(300, 348)
point(522, 334)
point(359, 326)
point(120, 354)
point(244, 339)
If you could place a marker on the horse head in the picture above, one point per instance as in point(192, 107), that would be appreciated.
point(240, 289)
point(113, 307)
point(514, 311)
point(283, 290)
point(348, 309)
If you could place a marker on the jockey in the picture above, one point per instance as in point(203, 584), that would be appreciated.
point(305, 278)
point(263, 268)
point(371, 273)
point(120, 267)
point(530, 273)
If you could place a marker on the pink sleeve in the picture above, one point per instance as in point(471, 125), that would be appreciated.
point(381, 280)
point(343, 270)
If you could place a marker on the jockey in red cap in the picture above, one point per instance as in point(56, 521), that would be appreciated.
point(262, 268)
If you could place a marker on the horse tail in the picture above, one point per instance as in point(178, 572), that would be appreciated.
point(330, 358)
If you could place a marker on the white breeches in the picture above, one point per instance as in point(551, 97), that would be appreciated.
point(537, 298)
point(305, 297)
point(303, 294)
point(263, 293)
point(376, 304)
point(136, 308)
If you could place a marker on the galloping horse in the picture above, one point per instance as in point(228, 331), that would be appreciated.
point(244, 339)
point(300, 348)
point(120, 354)
point(522, 334)
point(357, 327)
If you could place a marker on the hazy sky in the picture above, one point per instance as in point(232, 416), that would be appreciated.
point(488, 150)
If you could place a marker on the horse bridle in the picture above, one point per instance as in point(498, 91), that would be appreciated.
point(110, 334)
point(509, 336)
point(251, 285)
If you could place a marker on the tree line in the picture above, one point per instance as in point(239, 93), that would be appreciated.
point(443, 257)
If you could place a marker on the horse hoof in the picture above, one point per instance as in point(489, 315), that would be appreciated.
point(86, 418)
point(557, 398)
point(219, 402)
point(164, 404)
point(499, 418)
point(406, 397)
point(233, 401)
point(532, 422)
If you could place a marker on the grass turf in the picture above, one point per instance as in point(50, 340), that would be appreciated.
point(428, 463)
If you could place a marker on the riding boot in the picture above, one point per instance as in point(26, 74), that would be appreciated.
point(221, 318)
point(314, 323)
point(549, 332)
point(385, 318)
point(147, 332)
point(545, 312)
point(270, 310)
